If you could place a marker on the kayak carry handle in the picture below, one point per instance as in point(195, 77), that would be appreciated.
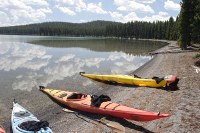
point(158, 114)
point(41, 87)
point(81, 73)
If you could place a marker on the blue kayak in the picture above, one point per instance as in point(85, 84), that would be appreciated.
point(24, 121)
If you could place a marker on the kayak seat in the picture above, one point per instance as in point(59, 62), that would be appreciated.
point(76, 96)
point(22, 114)
point(157, 79)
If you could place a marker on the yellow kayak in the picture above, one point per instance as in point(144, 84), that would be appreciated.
point(169, 82)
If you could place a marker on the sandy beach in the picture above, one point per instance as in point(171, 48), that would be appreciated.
point(182, 104)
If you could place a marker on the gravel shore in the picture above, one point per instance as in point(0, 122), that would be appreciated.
point(182, 104)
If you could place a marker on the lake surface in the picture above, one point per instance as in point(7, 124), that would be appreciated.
point(26, 61)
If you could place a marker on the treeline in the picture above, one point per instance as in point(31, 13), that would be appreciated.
point(95, 28)
point(157, 30)
point(189, 24)
point(148, 30)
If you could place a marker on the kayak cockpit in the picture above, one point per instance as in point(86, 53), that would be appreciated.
point(22, 114)
point(76, 96)
point(35, 126)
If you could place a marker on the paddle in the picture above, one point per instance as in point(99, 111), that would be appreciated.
point(103, 121)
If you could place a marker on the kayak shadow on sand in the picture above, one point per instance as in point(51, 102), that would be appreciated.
point(122, 122)
point(99, 82)
point(97, 117)
point(129, 124)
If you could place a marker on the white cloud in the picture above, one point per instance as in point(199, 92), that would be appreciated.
point(96, 8)
point(17, 4)
point(24, 11)
point(147, 1)
point(45, 10)
point(171, 5)
point(66, 10)
point(71, 2)
point(35, 2)
point(114, 56)
point(33, 58)
point(161, 16)
point(80, 5)
point(4, 19)
point(132, 6)
point(94, 62)
point(4, 48)
point(119, 64)
point(60, 71)
point(24, 83)
point(14, 63)
point(123, 63)
point(66, 58)
point(116, 16)
point(83, 20)
point(120, 2)
point(31, 52)
point(132, 16)
point(72, 6)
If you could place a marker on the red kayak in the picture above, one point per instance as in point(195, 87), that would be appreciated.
point(88, 103)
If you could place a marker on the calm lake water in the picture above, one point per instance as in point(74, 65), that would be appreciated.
point(57, 61)
point(25, 59)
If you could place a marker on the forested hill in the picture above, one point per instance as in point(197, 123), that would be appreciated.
point(95, 28)
point(158, 30)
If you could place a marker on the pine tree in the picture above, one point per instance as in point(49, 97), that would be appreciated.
point(186, 18)
point(196, 23)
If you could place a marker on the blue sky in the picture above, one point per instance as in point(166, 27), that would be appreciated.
point(16, 12)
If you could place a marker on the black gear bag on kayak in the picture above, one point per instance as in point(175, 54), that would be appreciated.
point(34, 125)
point(97, 100)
